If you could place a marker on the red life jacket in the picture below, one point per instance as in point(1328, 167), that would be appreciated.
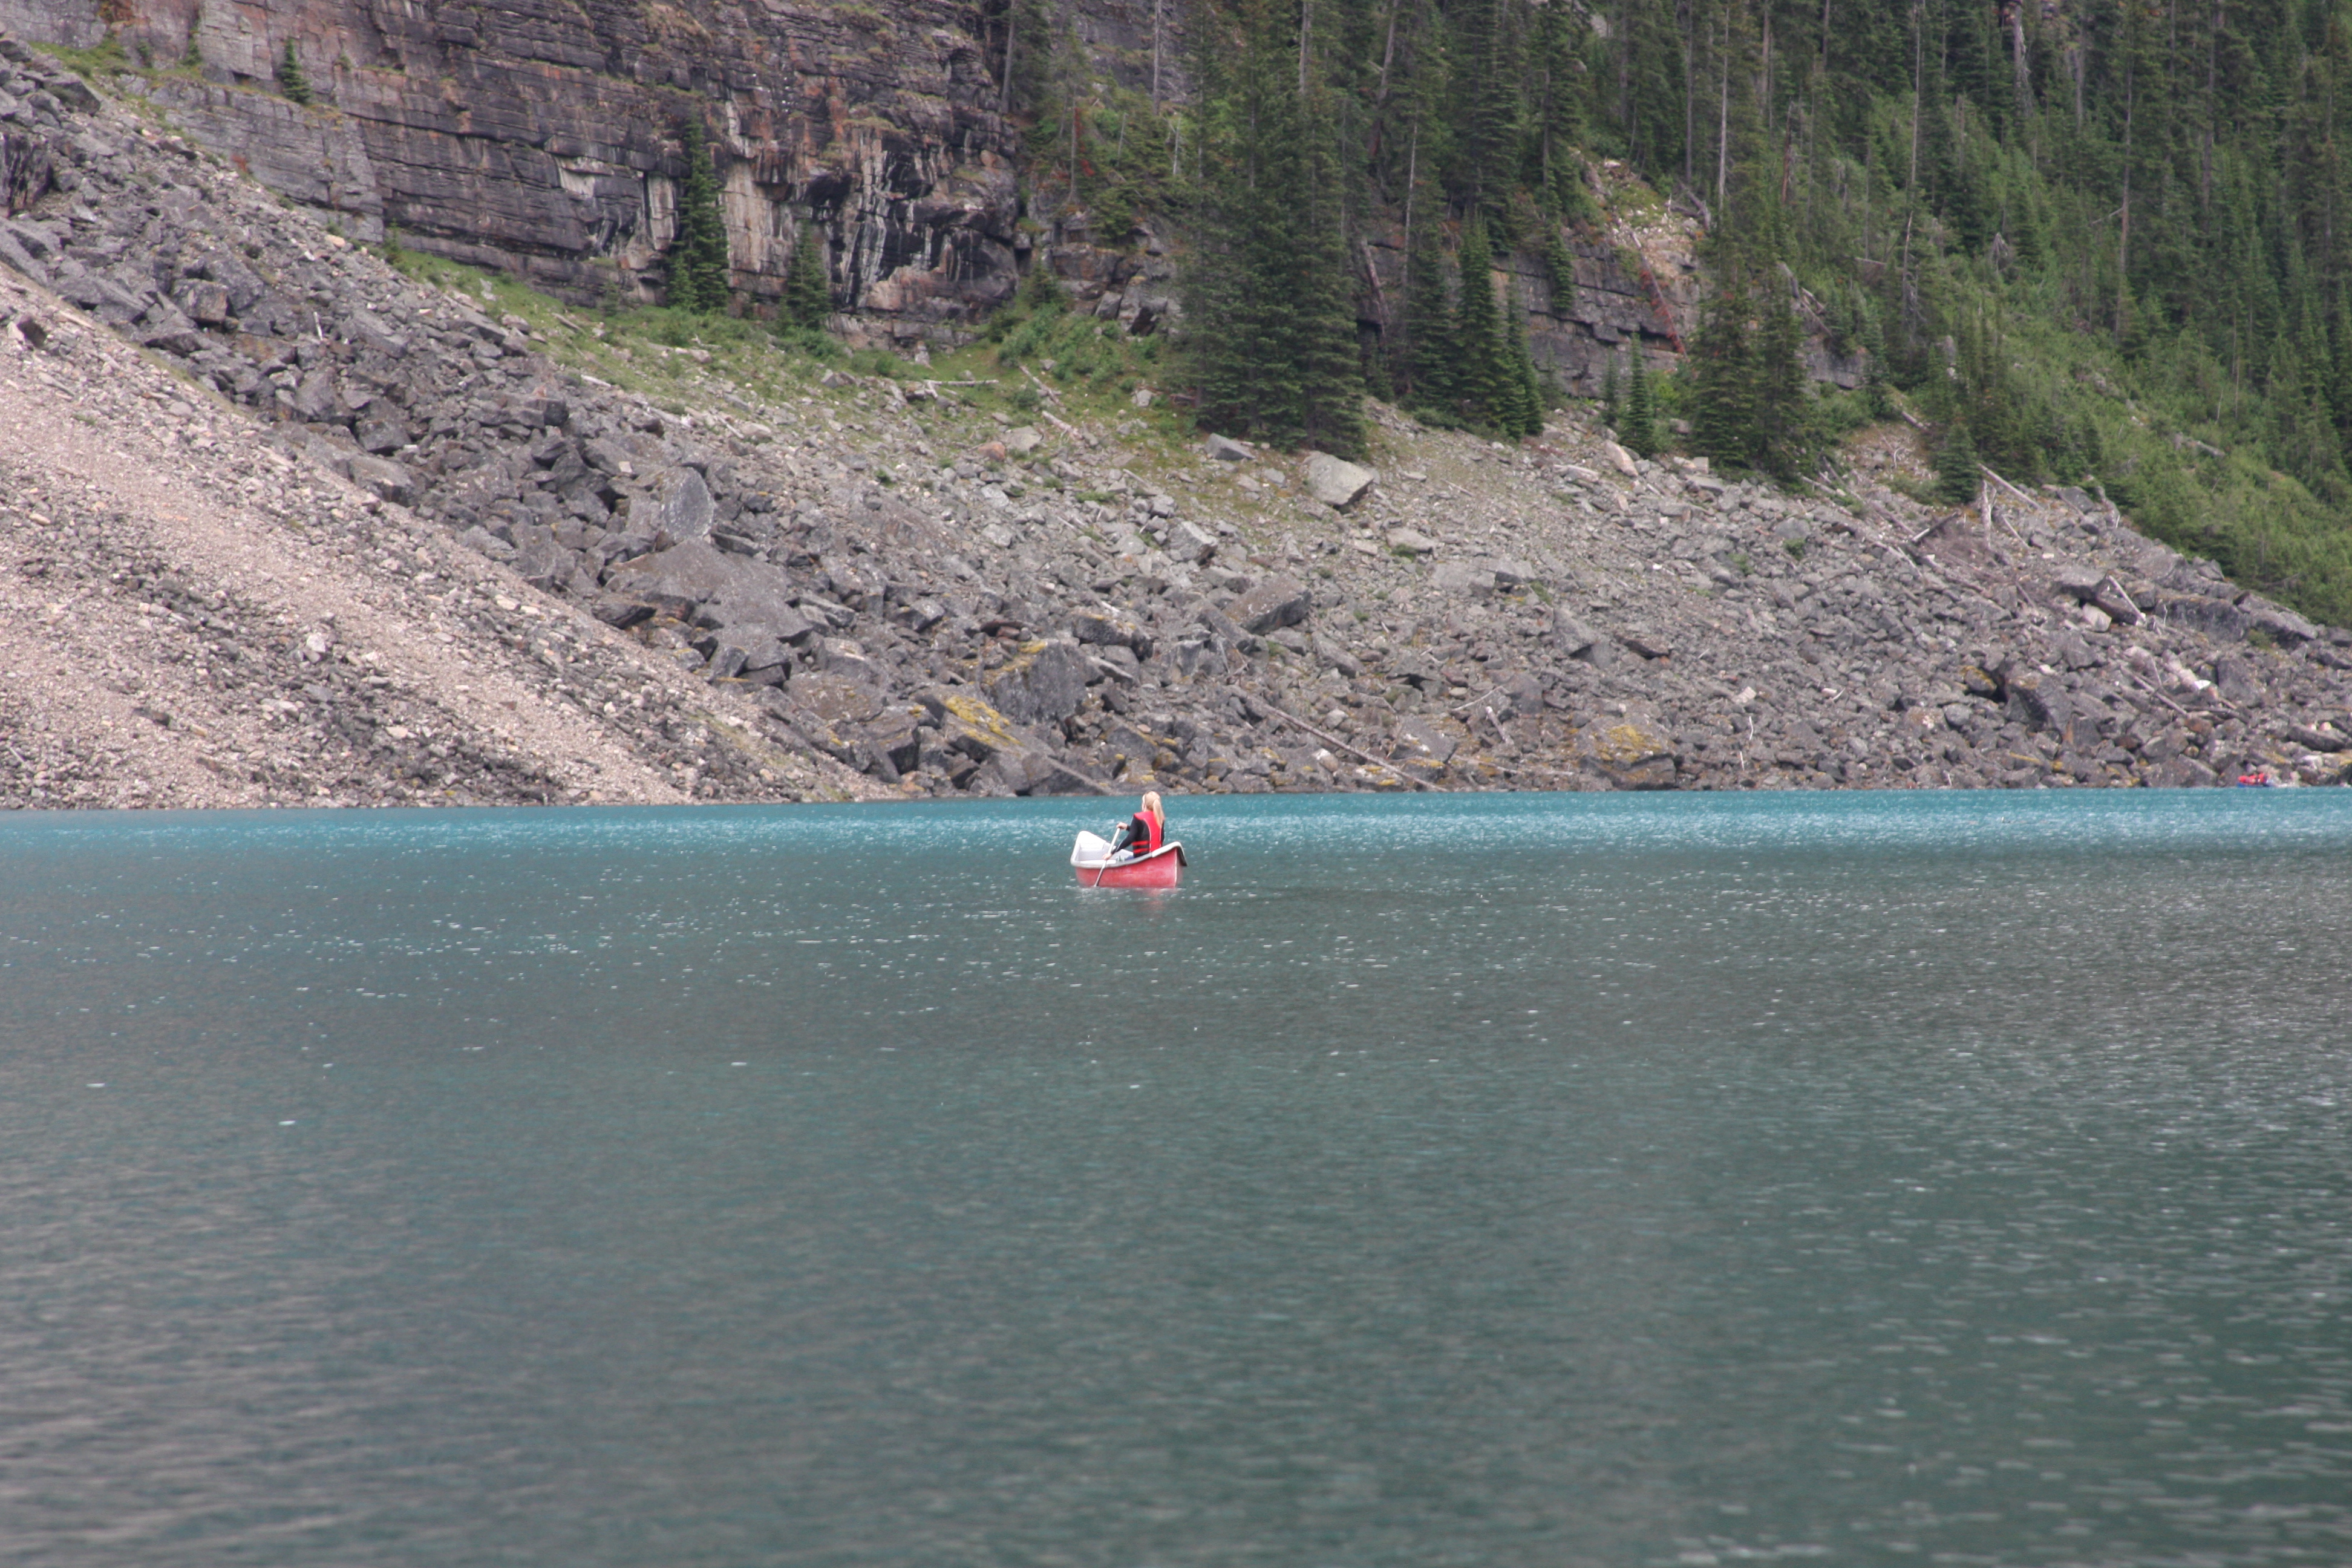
point(1151, 827)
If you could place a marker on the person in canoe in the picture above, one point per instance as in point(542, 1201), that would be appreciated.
point(1146, 831)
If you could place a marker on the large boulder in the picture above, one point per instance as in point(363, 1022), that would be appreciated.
point(1572, 637)
point(1631, 751)
point(1191, 542)
point(2038, 702)
point(2089, 585)
point(2280, 624)
point(1106, 627)
point(2217, 618)
point(737, 589)
point(971, 726)
point(683, 504)
point(1424, 741)
point(384, 477)
point(1044, 686)
point(837, 699)
point(2236, 678)
point(1011, 762)
point(1274, 604)
point(539, 558)
point(1463, 578)
point(1336, 482)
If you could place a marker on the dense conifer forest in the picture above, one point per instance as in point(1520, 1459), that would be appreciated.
point(2105, 244)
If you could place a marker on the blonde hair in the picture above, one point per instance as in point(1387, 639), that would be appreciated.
point(1151, 805)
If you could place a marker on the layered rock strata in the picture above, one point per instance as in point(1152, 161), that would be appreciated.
point(545, 140)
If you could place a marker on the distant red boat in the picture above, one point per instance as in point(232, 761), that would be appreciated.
point(1098, 868)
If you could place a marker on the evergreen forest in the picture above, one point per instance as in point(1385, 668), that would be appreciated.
point(2104, 244)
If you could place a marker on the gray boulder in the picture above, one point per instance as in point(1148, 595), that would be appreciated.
point(2217, 618)
point(1043, 686)
point(1631, 751)
point(1056, 775)
point(1424, 741)
point(2039, 703)
point(381, 431)
point(1463, 578)
point(678, 580)
point(314, 397)
point(1336, 483)
point(540, 560)
point(684, 506)
point(1276, 602)
point(2234, 677)
point(382, 477)
point(1191, 542)
point(1572, 637)
point(837, 699)
point(698, 575)
point(2282, 625)
point(1105, 627)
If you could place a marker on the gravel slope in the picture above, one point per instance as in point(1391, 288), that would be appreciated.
point(191, 618)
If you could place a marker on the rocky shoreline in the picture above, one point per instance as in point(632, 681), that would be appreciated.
point(873, 579)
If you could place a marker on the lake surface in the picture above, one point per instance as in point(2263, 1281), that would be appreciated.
point(1506, 1180)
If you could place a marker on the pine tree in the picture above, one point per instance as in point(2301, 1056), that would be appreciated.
point(1430, 350)
point(699, 279)
point(1638, 434)
point(1271, 295)
point(1956, 478)
point(1330, 360)
point(807, 302)
point(1480, 372)
point(1612, 395)
point(290, 79)
point(1522, 412)
point(1724, 381)
point(1783, 405)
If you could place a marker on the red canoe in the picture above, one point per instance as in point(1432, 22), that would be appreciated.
point(1163, 867)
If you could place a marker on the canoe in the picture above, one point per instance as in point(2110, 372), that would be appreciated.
point(1163, 867)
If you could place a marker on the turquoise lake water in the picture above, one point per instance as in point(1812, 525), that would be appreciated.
point(1502, 1180)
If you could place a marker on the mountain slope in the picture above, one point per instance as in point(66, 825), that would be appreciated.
point(1006, 577)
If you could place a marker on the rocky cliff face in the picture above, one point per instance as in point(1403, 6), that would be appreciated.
point(543, 138)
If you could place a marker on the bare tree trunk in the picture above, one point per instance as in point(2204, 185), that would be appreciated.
point(1156, 5)
point(2213, 53)
point(1723, 127)
point(2017, 48)
point(1388, 56)
point(1911, 185)
point(2123, 247)
point(1626, 78)
point(1688, 24)
point(1306, 33)
point(1919, 88)
point(1004, 88)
